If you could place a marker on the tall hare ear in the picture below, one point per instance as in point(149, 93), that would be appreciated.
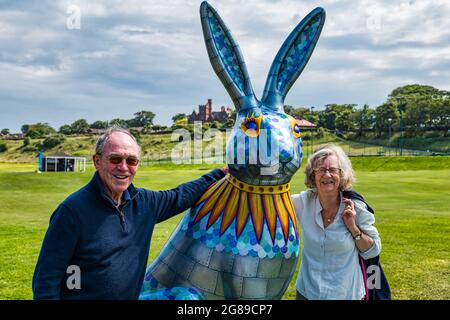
point(292, 58)
point(226, 58)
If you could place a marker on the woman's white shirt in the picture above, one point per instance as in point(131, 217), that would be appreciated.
point(330, 259)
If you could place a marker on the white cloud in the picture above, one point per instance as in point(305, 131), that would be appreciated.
point(132, 54)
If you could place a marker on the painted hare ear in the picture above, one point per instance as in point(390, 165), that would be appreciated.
point(226, 58)
point(292, 58)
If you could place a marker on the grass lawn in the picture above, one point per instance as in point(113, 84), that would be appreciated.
point(410, 196)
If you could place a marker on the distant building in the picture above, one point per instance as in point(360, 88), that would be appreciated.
point(13, 136)
point(205, 113)
point(96, 131)
point(61, 162)
point(305, 124)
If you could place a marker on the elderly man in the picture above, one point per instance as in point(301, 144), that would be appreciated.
point(98, 240)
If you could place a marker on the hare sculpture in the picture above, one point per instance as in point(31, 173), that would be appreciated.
point(240, 240)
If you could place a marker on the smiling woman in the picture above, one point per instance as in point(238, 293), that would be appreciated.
point(336, 230)
point(332, 159)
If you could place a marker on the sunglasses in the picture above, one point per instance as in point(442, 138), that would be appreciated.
point(131, 161)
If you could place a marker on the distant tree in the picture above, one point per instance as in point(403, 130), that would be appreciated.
point(131, 123)
point(419, 90)
point(440, 114)
point(338, 116)
point(147, 129)
point(143, 118)
point(38, 130)
point(297, 113)
point(417, 112)
point(345, 119)
point(228, 124)
point(65, 129)
point(79, 126)
point(444, 117)
point(312, 116)
point(158, 128)
point(424, 106)
point(119, 122)
point(25, 128)
point(288, 109)
point(5, 131)
point(179, 116)
point(233, 114)
point(99, 125)
point(365, 119)
point(386, 111)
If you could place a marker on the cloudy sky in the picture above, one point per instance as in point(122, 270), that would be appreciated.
point(98, 60)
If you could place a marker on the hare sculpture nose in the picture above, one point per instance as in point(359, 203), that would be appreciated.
point(286, 155)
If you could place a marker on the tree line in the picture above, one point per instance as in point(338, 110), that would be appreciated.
point(408, 108)
point(142, 119)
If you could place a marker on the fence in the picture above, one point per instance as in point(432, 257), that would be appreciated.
point(352, 148)
point(364, 149)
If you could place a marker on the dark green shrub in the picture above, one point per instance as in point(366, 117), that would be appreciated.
point(26, 141)
point(52, 141)
point(3, 146)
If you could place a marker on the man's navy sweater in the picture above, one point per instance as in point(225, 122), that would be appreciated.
point(110, 245)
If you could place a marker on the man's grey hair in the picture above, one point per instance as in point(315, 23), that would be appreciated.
point(101, 141)
point(318, 157)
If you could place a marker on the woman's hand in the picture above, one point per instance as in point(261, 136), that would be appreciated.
point(349, 216)
point(365, 242)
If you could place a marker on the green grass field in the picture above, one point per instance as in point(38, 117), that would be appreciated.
point(410, 196)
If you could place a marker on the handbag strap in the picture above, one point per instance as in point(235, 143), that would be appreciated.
point(363, 269)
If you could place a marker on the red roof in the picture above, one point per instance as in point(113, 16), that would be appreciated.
point(302, 123)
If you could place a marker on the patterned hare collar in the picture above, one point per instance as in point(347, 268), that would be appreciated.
point(236, 201)
point(258, 189)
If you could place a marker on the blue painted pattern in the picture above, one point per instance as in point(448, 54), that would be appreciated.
point(175, 293)
point(247, 244)
point(226, 51)
point(295, 58)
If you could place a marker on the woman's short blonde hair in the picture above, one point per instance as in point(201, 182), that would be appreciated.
point(318, 157)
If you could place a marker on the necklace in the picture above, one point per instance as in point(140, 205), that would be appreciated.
point(329, 215)
point(326, 219)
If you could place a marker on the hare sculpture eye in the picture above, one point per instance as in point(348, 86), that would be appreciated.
point(251, 125)
point(295, 129)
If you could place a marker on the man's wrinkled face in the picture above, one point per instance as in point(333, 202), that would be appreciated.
point(118, 163)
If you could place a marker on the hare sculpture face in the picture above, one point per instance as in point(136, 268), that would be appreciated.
point(265, 147)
